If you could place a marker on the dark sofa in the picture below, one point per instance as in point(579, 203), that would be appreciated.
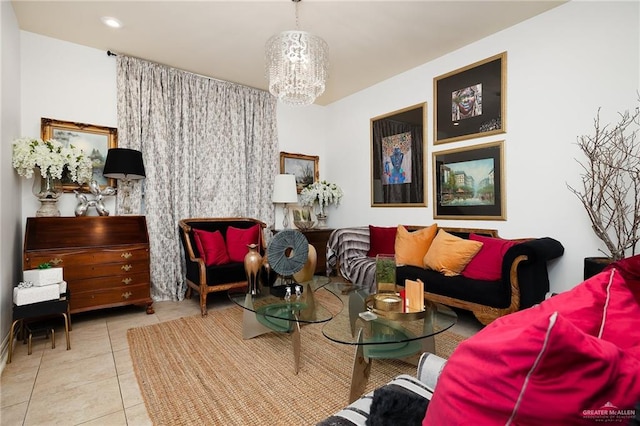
point(524, 279)
point(206, 279)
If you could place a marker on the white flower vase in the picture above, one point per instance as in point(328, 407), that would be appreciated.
point(322, 220)
point(47, 190)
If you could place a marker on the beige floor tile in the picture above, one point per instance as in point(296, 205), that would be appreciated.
point(124, 364)
point(13, 414)
point(77, 405)
point(84, 344)
point(68, 375)
point(130, 390)
point(118, 328)
point(138, 416)
point(16, 384)
point(20, 353)
point(114, 419)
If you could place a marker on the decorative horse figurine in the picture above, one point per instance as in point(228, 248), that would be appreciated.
point(84, 203)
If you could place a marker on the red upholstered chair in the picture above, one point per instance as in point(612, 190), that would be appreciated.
point(229, 274)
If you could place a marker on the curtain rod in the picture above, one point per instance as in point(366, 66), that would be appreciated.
point(110, 53)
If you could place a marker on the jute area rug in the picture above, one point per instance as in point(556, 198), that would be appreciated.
point(197, 371)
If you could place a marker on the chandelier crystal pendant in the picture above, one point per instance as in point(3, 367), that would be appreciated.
point(297, 65)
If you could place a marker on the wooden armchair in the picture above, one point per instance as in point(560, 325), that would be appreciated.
point(207, 279)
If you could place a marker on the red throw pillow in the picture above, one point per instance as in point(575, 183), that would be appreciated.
point(487, 264)
point(547, 372)
point(382, 240)
point(238, 239)
point(211, 247)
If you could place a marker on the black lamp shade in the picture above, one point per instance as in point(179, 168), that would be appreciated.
point(124, 163)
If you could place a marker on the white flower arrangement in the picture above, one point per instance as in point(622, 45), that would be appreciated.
point(53, 158)
point(323, 193)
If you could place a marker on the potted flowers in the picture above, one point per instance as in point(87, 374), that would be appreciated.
point(52, 160)
point(323, 194)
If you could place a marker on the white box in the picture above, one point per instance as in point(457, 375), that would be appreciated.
point(40, 277)
point(63, 286)
point(26, 296)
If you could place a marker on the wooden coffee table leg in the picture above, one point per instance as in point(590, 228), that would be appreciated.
point(295, 336)
point(361, 371)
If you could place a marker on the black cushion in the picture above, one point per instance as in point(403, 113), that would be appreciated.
point(489, 293)
point(394, 405)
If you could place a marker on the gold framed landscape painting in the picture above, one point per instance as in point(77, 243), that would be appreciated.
point(469, 183)
point(470, 101)
point(94, 141)
point(303, 167)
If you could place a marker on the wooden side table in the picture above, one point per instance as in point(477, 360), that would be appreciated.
point(33, 311)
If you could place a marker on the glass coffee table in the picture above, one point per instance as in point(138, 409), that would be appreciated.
point(382, 334)
point(272, 309)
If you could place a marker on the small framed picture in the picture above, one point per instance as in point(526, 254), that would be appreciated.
point(301, 215)
point(304, 167)
point(94, 140)
point(469, 183)
point(470, 101)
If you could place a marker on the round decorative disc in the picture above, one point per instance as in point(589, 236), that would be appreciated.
point(287, 252)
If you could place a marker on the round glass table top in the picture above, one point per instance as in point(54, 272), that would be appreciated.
point(358, 324)
point(307, 305)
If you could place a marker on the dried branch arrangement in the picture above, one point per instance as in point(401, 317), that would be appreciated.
point(610, 190)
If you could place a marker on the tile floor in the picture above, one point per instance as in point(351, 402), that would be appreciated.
point(94, 383)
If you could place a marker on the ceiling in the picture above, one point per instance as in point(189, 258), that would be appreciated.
point(369, 41)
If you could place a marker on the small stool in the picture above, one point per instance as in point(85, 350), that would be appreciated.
point(32, 329)
point(40, 310)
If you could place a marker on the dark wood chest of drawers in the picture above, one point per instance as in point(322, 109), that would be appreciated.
point(105, 259)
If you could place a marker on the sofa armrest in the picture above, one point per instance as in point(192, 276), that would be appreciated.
point(526, 265)
point(429, 368)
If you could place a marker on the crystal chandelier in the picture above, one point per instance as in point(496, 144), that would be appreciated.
point(297, 64)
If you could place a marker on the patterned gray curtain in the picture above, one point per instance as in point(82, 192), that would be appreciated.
point(210, 150)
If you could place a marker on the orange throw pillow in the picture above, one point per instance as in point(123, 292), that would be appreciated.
point(449, 254)
point(411, 247)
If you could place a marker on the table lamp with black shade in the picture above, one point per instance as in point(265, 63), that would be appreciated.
point(125, 165)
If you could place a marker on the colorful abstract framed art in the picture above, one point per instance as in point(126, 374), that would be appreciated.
point(398, 158)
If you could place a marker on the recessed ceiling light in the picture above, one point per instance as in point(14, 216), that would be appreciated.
point(111, 22)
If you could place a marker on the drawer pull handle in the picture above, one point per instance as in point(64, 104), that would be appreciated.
point(126, 268)
point(55, 261)
point(126, 295)
point(126, 255)
point(127, 281)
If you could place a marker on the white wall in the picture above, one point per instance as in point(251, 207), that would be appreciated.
point(562, 66)
point(10, 208)
point(302, 130)
point(68, 82)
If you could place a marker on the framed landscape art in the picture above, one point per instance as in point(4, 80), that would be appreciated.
point(398, 158)
point(94, 140)
point(304, 167)
point(469, 183)
point(470, 101)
